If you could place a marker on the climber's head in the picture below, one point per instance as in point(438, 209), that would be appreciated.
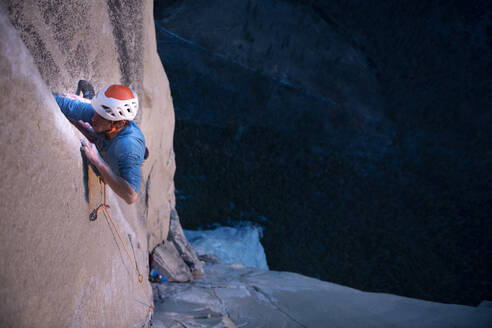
point(116, 103)
point(114, 106)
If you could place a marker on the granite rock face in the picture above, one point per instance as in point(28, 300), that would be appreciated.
point(237, 296)
point(58, 269)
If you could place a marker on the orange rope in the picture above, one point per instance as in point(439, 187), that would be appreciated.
point(104, 207)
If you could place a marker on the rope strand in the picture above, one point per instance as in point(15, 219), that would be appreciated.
point(104, 207)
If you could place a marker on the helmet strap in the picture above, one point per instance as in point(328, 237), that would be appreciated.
point(115, 128)
point(110, 131)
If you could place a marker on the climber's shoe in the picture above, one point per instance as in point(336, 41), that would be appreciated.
point(86, 88)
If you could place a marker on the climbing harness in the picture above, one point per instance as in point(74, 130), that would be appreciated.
point(104, 207)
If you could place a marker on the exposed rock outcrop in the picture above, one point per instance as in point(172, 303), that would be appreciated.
point(58, 269)
point(175, 258)
point(166, 260)
point(236, 296)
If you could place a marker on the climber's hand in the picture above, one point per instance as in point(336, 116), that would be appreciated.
point(91, 152)
point(87, 126)
point(119, 185)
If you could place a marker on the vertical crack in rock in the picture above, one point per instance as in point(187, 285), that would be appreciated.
point(265, 295)
point(127, 22)
point(147, 191)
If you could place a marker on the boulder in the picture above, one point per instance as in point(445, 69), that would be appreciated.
point(167, 261)
point(176, 258)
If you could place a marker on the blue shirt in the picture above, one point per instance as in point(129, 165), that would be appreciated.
point(124, 153)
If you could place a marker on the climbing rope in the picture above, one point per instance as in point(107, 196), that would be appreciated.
point(104, 207)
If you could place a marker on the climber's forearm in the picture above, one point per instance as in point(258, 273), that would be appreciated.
point(117, 183)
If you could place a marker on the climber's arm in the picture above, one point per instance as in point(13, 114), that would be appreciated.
point(74, 109)
point(119, 185)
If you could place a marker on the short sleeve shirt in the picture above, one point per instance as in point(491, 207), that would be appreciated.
point(124, 153)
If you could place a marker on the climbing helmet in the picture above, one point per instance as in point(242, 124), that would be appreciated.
point(116, 102)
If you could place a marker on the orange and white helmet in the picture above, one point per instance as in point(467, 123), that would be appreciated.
point(116, 102)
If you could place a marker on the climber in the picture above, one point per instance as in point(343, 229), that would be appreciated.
point(119, 149)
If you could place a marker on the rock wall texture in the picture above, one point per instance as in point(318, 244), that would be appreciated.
point(58, 269)
point(237, 296)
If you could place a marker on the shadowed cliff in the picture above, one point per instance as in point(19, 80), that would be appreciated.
point(359, 128)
